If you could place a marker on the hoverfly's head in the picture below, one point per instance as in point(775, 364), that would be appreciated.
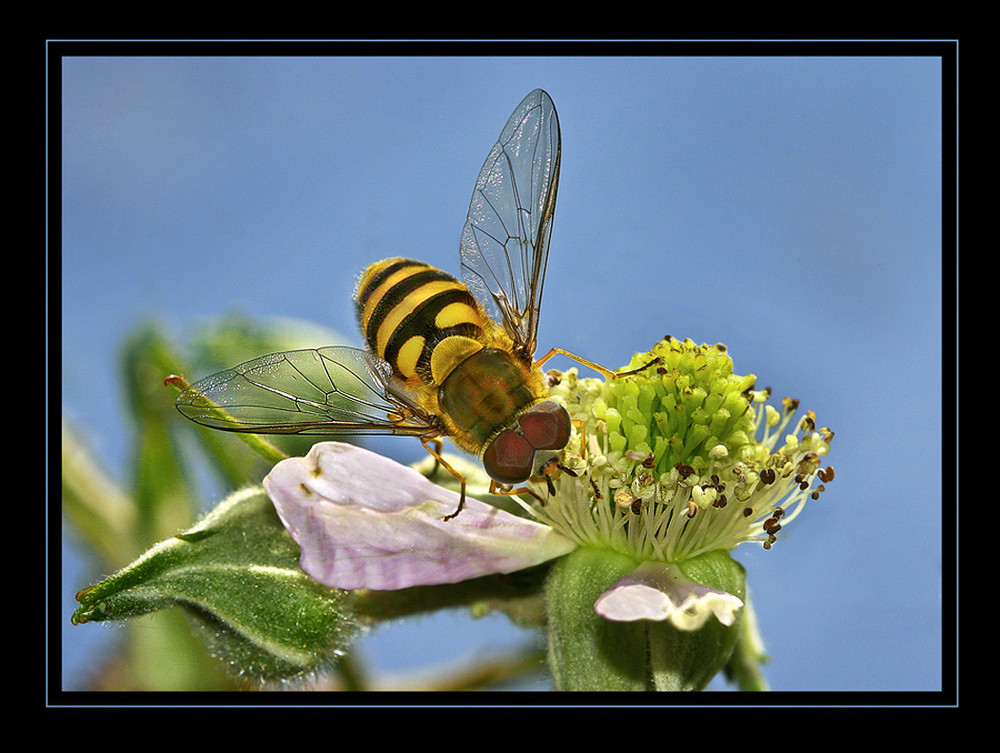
point(509, 457)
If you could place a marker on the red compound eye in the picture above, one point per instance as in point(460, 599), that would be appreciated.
point(546, 426)
point(508, 458)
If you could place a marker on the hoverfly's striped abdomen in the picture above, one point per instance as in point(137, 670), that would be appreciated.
point(419, 319)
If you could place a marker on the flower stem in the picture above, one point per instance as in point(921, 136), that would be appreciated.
point(255, 442)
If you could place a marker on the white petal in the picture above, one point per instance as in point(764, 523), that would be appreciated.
point(364, 521)
point(660, 591)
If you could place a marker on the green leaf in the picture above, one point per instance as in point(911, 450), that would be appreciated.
point(163, 500)
point(101, 514)
point(236, 574)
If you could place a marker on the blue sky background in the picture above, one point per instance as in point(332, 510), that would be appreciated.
point(788, 207)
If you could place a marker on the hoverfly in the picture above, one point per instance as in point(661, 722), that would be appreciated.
point(446, 358)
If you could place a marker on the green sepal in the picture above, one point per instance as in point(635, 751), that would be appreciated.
point(236, 573)
point(688, 660)
point(586, 651)
point(590, 653)
point(744, 667)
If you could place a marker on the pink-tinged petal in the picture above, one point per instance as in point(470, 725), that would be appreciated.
point(660, 591)
point(364, 521)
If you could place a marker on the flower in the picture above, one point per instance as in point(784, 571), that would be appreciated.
point(669, 467)
point(689, 453)
point(365, 521)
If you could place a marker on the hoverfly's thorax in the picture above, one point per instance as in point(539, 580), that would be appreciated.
point(449, 354)
point(485, 392)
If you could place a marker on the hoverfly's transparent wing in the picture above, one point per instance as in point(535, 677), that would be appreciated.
point(505, 241)
point(333, 390)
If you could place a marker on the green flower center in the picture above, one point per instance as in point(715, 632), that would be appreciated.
point(679, 457)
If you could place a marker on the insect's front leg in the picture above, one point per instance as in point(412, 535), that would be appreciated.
point(435, 452)
point(606, 373)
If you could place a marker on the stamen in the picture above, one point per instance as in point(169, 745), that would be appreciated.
point(658, 454)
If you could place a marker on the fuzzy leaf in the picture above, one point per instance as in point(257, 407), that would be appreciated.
point(236, 573)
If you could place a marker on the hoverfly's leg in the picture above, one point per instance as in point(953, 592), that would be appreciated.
point(502, 489)
point(552, 469)
point(439, 447)
point(596, 367)
point(652, 362)
point(549, 470)
point(436, 454)
point(597, 491)
point(607, 374)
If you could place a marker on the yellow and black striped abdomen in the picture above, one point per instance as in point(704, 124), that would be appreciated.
point(421, 320)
